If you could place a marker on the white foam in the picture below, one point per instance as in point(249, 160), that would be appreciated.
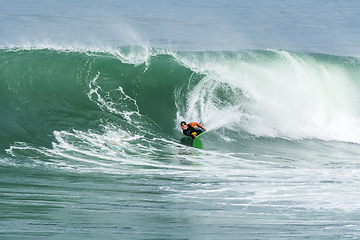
point(284, 95)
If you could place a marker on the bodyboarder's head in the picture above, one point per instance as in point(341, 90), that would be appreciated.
point(183, 125)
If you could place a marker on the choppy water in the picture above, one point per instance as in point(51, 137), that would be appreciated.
point(279, 160)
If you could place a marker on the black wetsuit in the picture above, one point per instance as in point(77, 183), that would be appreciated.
point(190, 130)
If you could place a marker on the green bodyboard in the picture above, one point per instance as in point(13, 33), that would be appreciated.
point(197, 141)
point(199, 135)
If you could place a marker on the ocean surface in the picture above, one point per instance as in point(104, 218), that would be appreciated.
point(276, 84)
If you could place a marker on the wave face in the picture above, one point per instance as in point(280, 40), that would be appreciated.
point(141, 93)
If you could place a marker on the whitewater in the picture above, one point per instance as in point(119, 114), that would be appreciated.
point(280, 156)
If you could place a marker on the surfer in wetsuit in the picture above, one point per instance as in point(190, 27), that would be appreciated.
point(192, 129)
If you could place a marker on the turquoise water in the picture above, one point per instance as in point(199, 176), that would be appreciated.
point(279, 159)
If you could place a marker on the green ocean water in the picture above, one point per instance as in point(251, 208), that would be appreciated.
point(280, 158)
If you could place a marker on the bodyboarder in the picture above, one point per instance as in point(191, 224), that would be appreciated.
point(192, 129)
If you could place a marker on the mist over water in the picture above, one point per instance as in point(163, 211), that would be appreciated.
point(274, 83)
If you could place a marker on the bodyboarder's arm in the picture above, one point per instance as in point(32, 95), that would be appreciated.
point(193, 124)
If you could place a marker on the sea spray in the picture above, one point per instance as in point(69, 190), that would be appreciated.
point(276, 94)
